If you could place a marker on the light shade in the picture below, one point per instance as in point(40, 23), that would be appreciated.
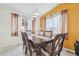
point(36, 14)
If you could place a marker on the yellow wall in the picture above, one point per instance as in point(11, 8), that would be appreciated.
point(73, 22)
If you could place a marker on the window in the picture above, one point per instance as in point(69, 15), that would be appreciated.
point(57, 23)
point(14, 20)
point(37, 21)
point(29, 24)
point(24, 22)
point(48, 23)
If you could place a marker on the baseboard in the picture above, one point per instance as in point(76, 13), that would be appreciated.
point(12, 46)
point(9, 47)
point(68, 50)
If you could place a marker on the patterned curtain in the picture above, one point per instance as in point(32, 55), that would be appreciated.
point(14, 22)
point(64, 21)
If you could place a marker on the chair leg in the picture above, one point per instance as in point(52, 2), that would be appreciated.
point(59, 54)
point(23, 47)
point(26, 51)
point(43, 54)
point(30, 51)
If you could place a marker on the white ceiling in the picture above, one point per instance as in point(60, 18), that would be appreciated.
point(28, 9)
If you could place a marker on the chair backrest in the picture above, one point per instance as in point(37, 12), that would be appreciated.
point(58, 43)
point(24, 38)
point(29, 32)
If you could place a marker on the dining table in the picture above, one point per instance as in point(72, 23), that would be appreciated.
point(39, 41)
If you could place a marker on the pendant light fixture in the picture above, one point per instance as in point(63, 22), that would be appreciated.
point(35, 14)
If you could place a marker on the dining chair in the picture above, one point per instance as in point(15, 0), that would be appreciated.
point(54, 46)
point(23, 39)
point(27, 43)
point(28, 32)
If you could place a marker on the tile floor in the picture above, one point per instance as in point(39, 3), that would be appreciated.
point(18, 51)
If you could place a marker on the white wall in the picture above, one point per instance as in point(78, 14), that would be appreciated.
point(6, 39)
